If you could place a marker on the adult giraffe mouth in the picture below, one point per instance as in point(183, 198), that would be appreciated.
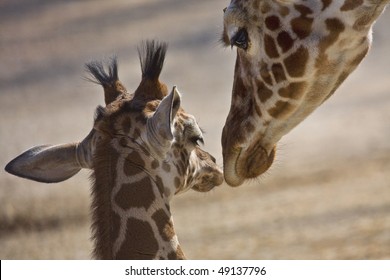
point(241, 164)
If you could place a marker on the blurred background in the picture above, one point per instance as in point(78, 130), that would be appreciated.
point(326, 197)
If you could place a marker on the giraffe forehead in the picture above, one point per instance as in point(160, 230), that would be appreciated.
point(186, 126)
point(125, 114)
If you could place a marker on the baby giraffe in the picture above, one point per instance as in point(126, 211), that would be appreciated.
point(143, 149)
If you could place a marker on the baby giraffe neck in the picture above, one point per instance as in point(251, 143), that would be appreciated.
point(131, 214)
point(145, 234)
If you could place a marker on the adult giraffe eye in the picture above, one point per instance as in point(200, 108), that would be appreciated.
point(240, 40)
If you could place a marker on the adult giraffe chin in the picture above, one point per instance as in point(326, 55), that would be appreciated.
point(291, 56)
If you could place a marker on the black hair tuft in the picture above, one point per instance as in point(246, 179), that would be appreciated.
point(99, 74)
point(152, 55)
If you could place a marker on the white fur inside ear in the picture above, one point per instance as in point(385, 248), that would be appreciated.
point(159, 127)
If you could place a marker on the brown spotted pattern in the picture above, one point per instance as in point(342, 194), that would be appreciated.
point(133, 185)
point(305, 50)
point(351, 5)
point(302, 25)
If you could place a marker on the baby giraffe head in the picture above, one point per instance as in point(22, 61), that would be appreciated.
point(143, 149)
point(149, 122)
point(157, 136)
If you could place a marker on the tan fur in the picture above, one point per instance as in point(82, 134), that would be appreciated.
point(292, 55)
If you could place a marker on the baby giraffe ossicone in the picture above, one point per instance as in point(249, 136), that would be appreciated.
point(143, 149)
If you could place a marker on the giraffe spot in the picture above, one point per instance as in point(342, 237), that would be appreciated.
point(164, 225)
point(155, 164)
point(140, 242)
point(166, 167)
point(160, 186)
point(263, 92)
point(293, 90)
point(302, 26)
point(362, 22)
point(285, 41)
point(278, 72)
point(133, 164)
point(137, 195)
point(265, 7)
point(351, 5)
point(281, 110)
point(325, 4)
point(284, 11)
point(296, 63)
point(272, 23)
point(304, 10)
point(335, 28)
point(270, 47)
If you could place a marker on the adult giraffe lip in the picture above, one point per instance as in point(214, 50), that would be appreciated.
point(232, 178)
point(241, 164)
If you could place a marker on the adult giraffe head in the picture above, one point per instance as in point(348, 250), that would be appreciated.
point(291, 56)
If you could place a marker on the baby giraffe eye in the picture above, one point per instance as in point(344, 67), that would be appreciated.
point(197, 139)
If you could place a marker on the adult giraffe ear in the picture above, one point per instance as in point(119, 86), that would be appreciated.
point(53, 163)
point(159, 127)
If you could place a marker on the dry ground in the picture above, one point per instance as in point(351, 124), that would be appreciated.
point(326, 197)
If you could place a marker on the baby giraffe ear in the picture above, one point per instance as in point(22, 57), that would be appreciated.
point(159, 127)
point(46, 164)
